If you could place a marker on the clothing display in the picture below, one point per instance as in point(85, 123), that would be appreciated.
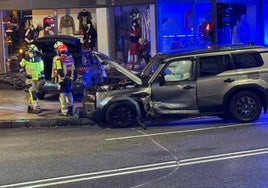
point(134, 35)
point(90, 37)
point(84, 18)
point(67, 25)
point(32, 34)
point(45, 32)
point(48, 21)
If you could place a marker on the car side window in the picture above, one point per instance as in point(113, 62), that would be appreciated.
point(178, 70)
point(247, 60)
point(213, 65)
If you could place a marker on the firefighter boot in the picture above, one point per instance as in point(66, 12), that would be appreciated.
point(37, 110)
point(29, 109)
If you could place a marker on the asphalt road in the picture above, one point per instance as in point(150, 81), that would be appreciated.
point(202, 152)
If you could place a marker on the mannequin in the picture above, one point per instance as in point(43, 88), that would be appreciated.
point(32, 34)
point(134, 34)
point(90, 36)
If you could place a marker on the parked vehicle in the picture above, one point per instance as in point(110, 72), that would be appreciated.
point(87, 65)
point(229, 82)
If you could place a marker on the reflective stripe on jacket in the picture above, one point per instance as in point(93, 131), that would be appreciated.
point(65, 67)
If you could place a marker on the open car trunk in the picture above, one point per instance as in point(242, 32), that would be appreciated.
point(46, 47)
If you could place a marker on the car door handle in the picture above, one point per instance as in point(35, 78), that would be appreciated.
point(229, 80)
point(188, 87)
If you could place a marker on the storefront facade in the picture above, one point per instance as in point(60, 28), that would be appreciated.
point(132, 31)
point(202, 23)
point(109, 18)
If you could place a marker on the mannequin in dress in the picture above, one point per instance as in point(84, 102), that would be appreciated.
point(134, 34)
point(90, 36)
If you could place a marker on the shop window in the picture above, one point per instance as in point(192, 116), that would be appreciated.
point(24, 27)
point(265, 18)
point(183, 25)
point(132, 36)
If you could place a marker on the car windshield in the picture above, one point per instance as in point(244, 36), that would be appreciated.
point(151, 66)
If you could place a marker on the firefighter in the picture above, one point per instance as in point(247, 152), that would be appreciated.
point(54, 70)
point(65, 69)
point(33, 68)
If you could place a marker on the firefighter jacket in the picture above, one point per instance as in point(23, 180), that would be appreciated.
point(65, 67)
point(34, 67)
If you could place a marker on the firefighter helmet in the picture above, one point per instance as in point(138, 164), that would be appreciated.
point(32, 48)
point(57, 44)
point(62, 48)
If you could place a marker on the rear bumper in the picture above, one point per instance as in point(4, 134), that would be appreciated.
point(51, 88)
point(48, 88)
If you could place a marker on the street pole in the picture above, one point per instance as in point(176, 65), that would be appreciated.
point(214, 20)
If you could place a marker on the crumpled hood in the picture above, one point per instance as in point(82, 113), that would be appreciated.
point(107, 60)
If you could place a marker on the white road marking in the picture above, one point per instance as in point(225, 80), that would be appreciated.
point(136, 169)
point(94, 175)
point(221, 157)
point(177, 132)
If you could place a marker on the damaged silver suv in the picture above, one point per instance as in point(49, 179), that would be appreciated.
point(229, 82)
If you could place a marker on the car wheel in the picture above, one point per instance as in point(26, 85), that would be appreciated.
point(121, 114)
point(245, 107)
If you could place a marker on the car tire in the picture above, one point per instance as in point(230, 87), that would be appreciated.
point(245, 107)
point(121, 114)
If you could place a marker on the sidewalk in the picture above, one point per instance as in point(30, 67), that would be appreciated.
point(13, 111)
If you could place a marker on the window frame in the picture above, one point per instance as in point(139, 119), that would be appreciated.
point(240, 65)
point(190, 63)
point(219, 68)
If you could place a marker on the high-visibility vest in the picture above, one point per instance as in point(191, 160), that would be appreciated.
point(34, 67)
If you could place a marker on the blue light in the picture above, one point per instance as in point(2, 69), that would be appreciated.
point(265, 6)
point(178, 23)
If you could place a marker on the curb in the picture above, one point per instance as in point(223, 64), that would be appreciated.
point(73, 121)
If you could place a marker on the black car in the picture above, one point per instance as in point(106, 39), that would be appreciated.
point(88, 67)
